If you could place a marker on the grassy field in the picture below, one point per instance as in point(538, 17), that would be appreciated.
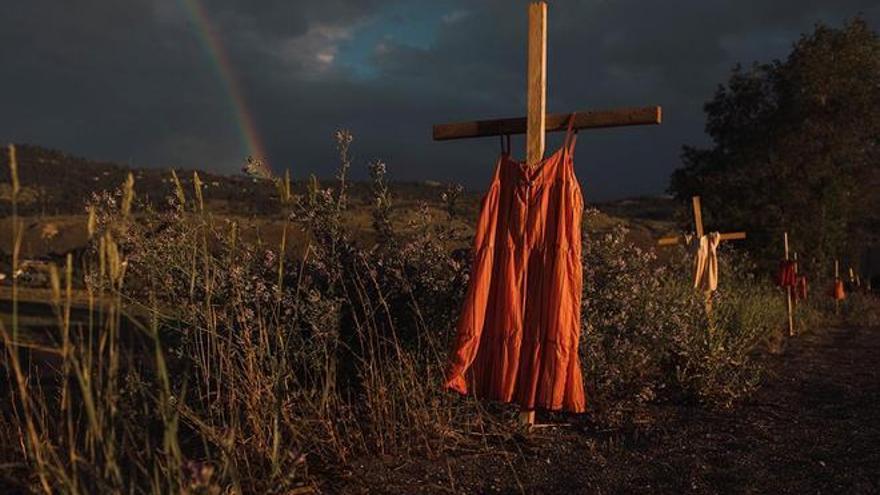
point(183, 349)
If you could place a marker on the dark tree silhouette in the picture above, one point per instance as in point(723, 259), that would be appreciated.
point(796, 148)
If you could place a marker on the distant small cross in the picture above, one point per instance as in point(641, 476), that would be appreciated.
point(698, 226)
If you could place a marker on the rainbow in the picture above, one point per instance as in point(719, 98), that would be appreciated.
point(244, 118)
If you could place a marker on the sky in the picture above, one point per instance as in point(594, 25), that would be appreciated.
point(205, 83)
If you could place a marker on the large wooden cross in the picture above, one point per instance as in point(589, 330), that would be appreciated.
point(536, 122)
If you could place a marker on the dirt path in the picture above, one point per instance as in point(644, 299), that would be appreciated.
point(813, 427)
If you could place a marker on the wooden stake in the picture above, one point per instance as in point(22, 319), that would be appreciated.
point(537, 107)
point(698, 216)
point(698, 226)
point(789, 294)
point(836, 280)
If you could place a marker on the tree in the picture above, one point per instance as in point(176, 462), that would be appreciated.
point(796, 148)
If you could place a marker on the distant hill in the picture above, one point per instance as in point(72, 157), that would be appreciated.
point(57, 183)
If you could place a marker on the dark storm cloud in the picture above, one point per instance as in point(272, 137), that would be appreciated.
point(285, 18)
point(130, 80)
point(108, 80)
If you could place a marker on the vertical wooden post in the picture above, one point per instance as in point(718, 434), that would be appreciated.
point(698, 217)
point(537, 82)
point(836, 279)
point(698, 228)
point(788, 294)
point(536, 100)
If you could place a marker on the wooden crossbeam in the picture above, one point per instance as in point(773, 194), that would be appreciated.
point(587, 119)
point(680, 239)
point(698, 215)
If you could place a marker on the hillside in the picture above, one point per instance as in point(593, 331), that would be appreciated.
point(56, 183)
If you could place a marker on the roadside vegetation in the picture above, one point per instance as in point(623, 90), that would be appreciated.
point(211, 362)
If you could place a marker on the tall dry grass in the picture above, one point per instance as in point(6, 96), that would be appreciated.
point(210, 361)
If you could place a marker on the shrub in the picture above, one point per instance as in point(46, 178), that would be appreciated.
point(646, 334)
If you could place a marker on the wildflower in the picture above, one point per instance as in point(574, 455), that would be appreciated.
point(377, 169)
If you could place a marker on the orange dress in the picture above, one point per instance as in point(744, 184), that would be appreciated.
point(519, 327)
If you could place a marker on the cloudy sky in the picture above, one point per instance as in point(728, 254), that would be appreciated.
point(203, 83)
